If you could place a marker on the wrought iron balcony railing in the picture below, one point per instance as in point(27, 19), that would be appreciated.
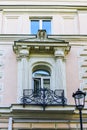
point(43, 97)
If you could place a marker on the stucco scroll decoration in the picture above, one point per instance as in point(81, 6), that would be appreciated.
point(21, 51)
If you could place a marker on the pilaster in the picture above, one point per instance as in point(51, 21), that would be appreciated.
point(22, 58)
point(60, 69)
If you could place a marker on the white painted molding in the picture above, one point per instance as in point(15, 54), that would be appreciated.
point(22, 72)
point(10, 124)
point(59, 53)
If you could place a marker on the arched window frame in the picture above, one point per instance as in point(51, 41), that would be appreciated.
point(42, 79)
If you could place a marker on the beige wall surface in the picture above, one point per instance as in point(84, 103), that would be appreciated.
point(65, 20)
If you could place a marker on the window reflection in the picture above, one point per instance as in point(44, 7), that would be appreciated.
point(41, 79)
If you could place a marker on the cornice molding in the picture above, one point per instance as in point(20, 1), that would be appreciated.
point(41, 44)
point(43, 5)
point(15, 37)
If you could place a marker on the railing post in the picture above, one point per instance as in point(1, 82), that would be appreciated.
point(63, 101)
point(23, 98)
point(44, 104)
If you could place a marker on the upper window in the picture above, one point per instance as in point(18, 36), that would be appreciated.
point(40, 24)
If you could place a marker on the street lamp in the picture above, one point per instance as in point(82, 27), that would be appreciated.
point(79, 98)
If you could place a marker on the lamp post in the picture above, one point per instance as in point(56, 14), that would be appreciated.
point(79, 98)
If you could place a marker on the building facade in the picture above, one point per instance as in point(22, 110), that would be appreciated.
point(43, 60)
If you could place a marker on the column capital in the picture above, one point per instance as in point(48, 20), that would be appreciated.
point(21, 51)
point(59, 53)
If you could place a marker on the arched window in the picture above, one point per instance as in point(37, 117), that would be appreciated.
point(41, 78)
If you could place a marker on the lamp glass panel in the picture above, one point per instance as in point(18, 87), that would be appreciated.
point(79, 99)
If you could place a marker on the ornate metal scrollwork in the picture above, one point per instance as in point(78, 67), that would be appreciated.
point(43, 97)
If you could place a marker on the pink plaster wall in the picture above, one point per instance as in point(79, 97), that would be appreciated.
point(72, 73)
point(10, 76)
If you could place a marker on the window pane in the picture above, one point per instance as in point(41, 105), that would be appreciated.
point(46, 24)
point(37, 85)
point(41, 73)
point(46, 83)
point(34, 26)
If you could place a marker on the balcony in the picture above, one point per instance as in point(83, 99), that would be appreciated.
point(43, 97)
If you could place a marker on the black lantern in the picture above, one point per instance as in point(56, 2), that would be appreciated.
point(79, 98)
